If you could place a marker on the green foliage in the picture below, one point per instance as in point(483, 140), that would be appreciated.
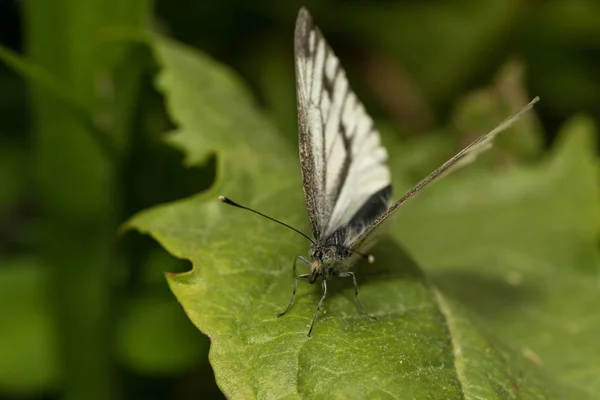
point(28, 337)
point(518, 250)
point(155, 337)
point(483, 288)
point(77, 181)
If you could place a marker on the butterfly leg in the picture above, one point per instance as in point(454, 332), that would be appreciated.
point(312, 324)
point(303, 276)
point(304, 260)
point(347, 274)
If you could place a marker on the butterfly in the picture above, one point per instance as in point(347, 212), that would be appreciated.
point(345, 176)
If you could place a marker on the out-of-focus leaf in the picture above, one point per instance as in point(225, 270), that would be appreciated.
point(155, 337)
point(29, 361)
point(426, 344)
point(279, 87)
point(569, 23)
point(441, 44)
point(12, 173)
point(476, 111)
point(38, 76)
point(77, 178)
point(519, 250)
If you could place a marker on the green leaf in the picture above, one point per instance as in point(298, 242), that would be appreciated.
point(29, 362)
point(72, 143)
point(459, 37)
point(519, 251)
point(427, 342)
point(154, 337)
point(504, 97)
point(12, 173)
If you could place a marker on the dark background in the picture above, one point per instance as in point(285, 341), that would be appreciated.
point(86, 312)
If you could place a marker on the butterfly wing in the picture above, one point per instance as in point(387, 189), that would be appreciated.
point(464, 157)
point(345, 177)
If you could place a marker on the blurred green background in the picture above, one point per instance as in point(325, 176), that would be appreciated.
point(86, 312)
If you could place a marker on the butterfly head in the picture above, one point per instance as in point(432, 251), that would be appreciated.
point(323, 258)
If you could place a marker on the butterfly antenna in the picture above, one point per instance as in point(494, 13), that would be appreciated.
point(227, 200)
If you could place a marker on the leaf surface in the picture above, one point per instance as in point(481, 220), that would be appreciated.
point(430, 340)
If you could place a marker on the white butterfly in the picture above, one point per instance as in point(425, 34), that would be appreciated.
point(347, 183)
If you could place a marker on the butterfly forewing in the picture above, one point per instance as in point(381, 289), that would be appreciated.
point(462, 158)
point(345, 176)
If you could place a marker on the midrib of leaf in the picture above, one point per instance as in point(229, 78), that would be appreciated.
point(455, 339)
point(555, 255)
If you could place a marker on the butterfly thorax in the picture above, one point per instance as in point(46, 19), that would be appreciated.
point(327, 260)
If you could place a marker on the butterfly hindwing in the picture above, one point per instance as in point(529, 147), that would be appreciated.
point(345, 176)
